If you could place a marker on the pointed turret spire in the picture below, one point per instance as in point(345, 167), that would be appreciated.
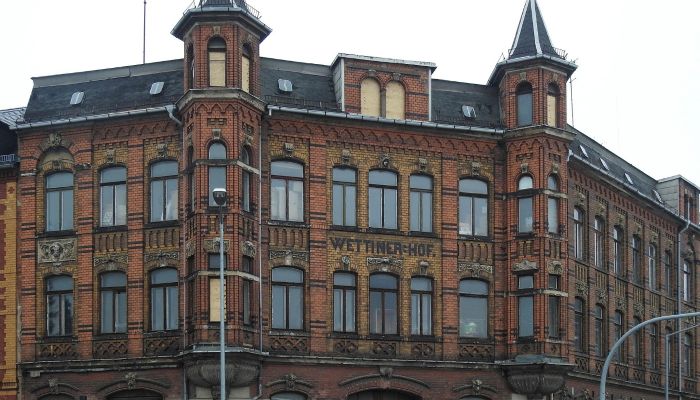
point(531, 38)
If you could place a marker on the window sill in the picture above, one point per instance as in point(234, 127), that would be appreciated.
point(423, 234)
point(474, 238)
point(525, 235)
point(344, 335)
point(59, 339)
point(65, 233)
point(346, 228)
point(110, 336)
point(295, 224)
point(474, 340)
point(215, 209)
point(376, 336)
point(384, 231)
point(525, 339)
point(289, 332)
point(423, 338)
point(105, 229)
point(156, 334)
point(162, 224)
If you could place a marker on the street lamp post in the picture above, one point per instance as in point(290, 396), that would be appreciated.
point(219, 195)
point(668, 357)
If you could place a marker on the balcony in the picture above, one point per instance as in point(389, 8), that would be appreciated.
point(228, 4)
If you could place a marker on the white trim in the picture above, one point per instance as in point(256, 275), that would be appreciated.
point(534, 26)
point(520, 28)
point(425, 64)
point(342, 84)
point(430, 96)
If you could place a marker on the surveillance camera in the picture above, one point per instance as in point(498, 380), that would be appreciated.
point(219, 196)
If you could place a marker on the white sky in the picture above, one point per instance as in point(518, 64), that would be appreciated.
point(637, 86)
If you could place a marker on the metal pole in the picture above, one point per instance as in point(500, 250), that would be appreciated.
point(616, 346)
point(222, 327)
point(668, 358)
point(144, 31)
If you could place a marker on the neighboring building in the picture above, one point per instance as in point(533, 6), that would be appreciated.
point(8, 252)
point(388, 235)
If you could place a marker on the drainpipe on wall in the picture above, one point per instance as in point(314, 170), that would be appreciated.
point(679, 298)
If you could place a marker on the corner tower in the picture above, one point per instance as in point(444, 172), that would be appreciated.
point(221, 113)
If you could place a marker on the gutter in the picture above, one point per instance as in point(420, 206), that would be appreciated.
point(407, 122)
point(100, 117)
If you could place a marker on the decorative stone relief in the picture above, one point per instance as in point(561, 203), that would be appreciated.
point(289, 256)
point(398, 262)
point(580, 199)
point(620, 219)
point(130, 379)
point(162, 149)
point(524, 168)
point(248, 249)
point(554, 267)
point(109, 156)
point(555, 168)
point(212, 245)
point(57, 250)
point(53, 141)
point(161, 258)
point(475, 269)
point(190, 248)
point(345, 156)
point(345, 261)
point(601, 295)
point(384, 161)
point(288, 149)
point(601, 209)
point(216, 133)
point(581, 288)
point(422, 164)
point(476, 386)
point(638, 309)
point(620, 303)
point(525, 265)
point(109, 262)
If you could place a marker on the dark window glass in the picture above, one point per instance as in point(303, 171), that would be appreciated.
point(59, 201)
point(598, 242)
point(164, 191)
point(651, 267)
point(687, 282)
point(214, 260)
point(579, 324)
point(473, 207)
point(672, 347)
point(217, 174)
point(525, 307)
point(245, 181)
point(687, 364)
point(636, 342)
point(668, 272)
point(287, 191)
point(113, 196)
point(421, 203)
point(636, 260)
point(190, 178)
point(287, 298)
point(113, 302)
point(525, 206)
point(247, 264)
point(653, 346)
point(473, 308)
point(383, 304)
point(59, 305)
point(421, 306)
point(383, 202)
point(246, 303)
point(344, 301)
point(288, 396)
point(618, 330)
point(344, 196)
point(617, 251)
point(524, 107)
point(578, 233)
point(553, 183)
point(164, 300)
point(600, 331)
point(554, 317)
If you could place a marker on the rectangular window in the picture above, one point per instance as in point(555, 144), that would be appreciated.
point(214, 287)
point(344, 289)
point(383, 200)
point(113, 196)
point(246, 302)
point(554, 322)
point(687, 282)
point(217, 68)
point(553, 215)
point(245, 191)
point(526, 323)
point(579, 325)
point(421, 306)
point(217, 179)
point(525, 215)
point(164, 191)
point(59, 201)
point(525, 109)
point(344, 197)
point(598, 241)
point(636, 260)
point(245, 74)
point(421, 203)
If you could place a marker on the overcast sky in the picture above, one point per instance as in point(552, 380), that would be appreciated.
point(635, 91)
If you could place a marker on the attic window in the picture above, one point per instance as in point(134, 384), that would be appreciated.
point(583, 151)
point(285, 85)
point(468, 112)
point(605, 164)
point(77, 98)
point(629, 179)
point(658, 196)
point(156, 88)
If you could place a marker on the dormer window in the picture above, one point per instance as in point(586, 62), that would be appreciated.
point(217, 62)
point(524, 106)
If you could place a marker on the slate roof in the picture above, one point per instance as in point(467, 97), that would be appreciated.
point(10, 116)
point(531, 37)
point(109, 90)
point(448, 97)
point(312, 84)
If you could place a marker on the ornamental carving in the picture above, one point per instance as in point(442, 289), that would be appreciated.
point(111, 261)
point(525, 265)
point(475, 168)
point(345, 156)
point(554, 267)
point(581, 288)
point(384, 161)
point(190, 248)
point(56, 251)
point(205, 373)
point(536, 380)
point(290, 381)
point(130, 379)
point(212, 245)
point(476, 386)
point(620, 303)
point(601, 295)
point(289, 255)
point(161, 258)
point(475, 269)
point(248, 249)
point(638, 309)
point(396, 262)
point(53, 141)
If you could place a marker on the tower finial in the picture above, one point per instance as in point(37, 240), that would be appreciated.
point(531, 37)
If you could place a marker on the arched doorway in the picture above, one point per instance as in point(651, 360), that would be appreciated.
point(383, 395)
point(140, 394)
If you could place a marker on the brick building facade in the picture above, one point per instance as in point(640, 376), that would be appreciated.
point(388, 235)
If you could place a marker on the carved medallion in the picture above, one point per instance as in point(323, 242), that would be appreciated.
point(57, 250)
point(525, 265)
point(248, 249)
point(554, 267)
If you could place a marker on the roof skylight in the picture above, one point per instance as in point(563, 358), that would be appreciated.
point(77, 98)
point(285, 85)
point(658, 196)
point(605, 164)
point(156, 88)
point(629, 178)
point(468, 111)
point(583, 151)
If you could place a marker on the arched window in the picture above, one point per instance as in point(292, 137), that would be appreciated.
point(618, 251)
point(287, 191)
point(524, 107)
point(383, 304)
point(245, 180)
point(552, 104)
point(637, 259)
point(578, 233)
point(395, 100)
point(553, 206)
point(113, 302)
point(637, 339)
point(580, 324)
point(288, 396)
point(164, 191)
point(59, 306)
point(651, 267)
point(421, 306)
point(525, 206)
point(287, 298)
point(113, 196)
point(344, 301)
point(245, 69)
point(598, 242)
point(687, 281)
point(217, 171)
point(383, 201)
point(618, 330)
point(600, 331)
point(473, 207)
point(59, 201)
point(473, 308)
point(344, 196)
point(370, 103)
point(421, 203)
point(164, 300)
point(217, 62)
